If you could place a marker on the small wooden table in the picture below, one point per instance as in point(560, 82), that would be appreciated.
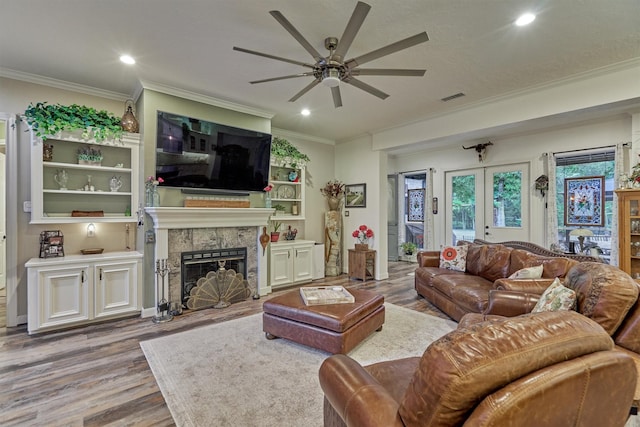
point(362, 264)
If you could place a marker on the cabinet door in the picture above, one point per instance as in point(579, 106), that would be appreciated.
point(63, 296)
point(115, 288)
point(281, 267)
point(303, 264)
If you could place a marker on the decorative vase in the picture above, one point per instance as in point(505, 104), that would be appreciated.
point(151, 196)
point(362, 246)
point(267, 200)
point(275, 236)
point(129, 122)
point(334, 203)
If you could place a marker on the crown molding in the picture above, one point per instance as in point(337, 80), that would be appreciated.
point(205, 99)
point(61, 84)
point(295, 135)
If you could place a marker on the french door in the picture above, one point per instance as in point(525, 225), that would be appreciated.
point(488, 203)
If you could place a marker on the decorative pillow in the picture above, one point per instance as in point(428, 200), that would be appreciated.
point(556, 297)
point(454, 257)
point(528, 273)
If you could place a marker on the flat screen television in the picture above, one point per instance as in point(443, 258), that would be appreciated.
point(196, 154)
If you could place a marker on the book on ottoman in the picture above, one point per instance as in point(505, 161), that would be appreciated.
point(326, 295)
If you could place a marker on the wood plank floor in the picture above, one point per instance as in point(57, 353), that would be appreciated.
point(98, 376)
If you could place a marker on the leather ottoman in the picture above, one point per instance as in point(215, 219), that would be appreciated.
point(334, 328)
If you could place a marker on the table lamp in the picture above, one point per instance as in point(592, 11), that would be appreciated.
point(581, 233)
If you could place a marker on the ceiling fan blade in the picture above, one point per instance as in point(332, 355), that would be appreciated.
point(337, 99)
point(306, 89)
point(296, 35)
point(387, 72)
point(277, 58)
point(387, 50)
point(273, 79)
point(352, 28)
point(372, 90)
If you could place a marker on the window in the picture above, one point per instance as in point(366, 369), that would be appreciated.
point(577, 165)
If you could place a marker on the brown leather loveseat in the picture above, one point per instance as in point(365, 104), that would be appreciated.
point(544, 369)
point(487, 267)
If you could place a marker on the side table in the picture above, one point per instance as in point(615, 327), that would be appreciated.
point(362, 264)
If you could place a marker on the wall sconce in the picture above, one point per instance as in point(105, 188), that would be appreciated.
point(91, 230)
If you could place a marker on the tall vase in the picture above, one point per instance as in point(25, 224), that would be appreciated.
point(267, 200)
point(334, 203)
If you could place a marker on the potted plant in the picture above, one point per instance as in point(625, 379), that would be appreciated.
point(286, 154)
point(275, 234)
point(47, 120)
point(280, 210)
point(89, 156)
point(409, 248)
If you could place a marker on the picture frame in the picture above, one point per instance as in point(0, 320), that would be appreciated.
point(355, 196)
point(51, 244)
point(584, 201)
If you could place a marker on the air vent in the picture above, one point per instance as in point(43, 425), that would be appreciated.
point(450, 97)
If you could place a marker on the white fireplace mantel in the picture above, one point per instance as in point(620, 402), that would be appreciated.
point(171, 218)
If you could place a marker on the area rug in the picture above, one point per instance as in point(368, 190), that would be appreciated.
point(229, 374)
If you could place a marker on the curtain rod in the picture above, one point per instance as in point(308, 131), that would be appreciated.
point(624, 144)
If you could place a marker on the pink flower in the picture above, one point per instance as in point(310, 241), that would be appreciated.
point(268, 188)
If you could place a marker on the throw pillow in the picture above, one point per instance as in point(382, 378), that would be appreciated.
point(454, 257)
point(556, 297)
point(528, 273)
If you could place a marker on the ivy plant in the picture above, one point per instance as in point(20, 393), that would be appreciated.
point(46, 119)
point(286, 153)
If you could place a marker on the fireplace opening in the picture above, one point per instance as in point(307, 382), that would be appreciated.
point(195, 265)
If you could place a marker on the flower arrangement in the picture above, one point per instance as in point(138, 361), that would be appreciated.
point(363, 234)
point(268, 188)
point(333, 188)
point(635, 174)
point(152, 181)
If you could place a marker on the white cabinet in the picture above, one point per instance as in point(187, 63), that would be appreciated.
point(291, 262)
point(288, 192)
point(61, 183)
point(79, 289)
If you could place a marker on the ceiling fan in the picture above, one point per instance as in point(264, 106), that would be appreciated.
point(333, 69)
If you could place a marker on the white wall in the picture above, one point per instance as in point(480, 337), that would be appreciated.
point(356, 163)
point(525, 148)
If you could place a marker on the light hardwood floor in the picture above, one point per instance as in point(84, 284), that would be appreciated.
point(97, 375)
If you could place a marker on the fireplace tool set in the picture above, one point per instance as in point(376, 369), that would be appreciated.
point(163, 306)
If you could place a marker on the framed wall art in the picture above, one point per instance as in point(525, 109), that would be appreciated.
point(415, 202)
point(355, 196)
point(584, 201)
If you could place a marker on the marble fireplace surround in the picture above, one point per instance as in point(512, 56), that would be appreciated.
point(190, 229)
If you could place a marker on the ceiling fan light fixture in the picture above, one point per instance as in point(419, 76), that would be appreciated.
point(331, 77)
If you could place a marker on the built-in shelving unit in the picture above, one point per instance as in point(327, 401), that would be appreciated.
point(288, 191)
point(88, 186)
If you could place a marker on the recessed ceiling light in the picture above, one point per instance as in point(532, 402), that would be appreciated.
point(305, 112)
point(127, 59)
point(525, 19)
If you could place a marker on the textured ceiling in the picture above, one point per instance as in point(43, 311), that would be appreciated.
point(187, 44)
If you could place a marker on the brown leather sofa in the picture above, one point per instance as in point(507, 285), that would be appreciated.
point(488, 267)
point(604, 293)
point(545, 369)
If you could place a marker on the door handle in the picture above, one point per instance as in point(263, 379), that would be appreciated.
point(100, 274)
point(82, 276)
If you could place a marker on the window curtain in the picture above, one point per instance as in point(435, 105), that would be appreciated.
point(620, 155)
point(552, 201)
point(429, 228)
